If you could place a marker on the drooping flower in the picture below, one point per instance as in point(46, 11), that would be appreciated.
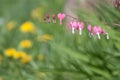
point(26, 44)
point(105, 33)
point(117, 4)
point(61, 16)
point(90, 30)
point(48, 18)
point(73, 25)
point(54, 18)
point(45, 20)
point(97, 30)
point(27, 27)
point(76, 25)
point(80, 27)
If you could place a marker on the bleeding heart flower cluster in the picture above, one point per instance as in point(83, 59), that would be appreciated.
point(47, 18)
point(97, 30)
point(76, 25)
point(116, 3)
point(61, 16)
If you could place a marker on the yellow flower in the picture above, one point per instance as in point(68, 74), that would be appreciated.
point(41, 57)
point(10, 52)
point(27, 27)
point(41, 74)
point(26, 44)
point(45, 38)
point(19, 55)
point(11, 25)
point(1, 58)
point(22, 54)
point(26, 59)
point(37, 14)
point(1, 78)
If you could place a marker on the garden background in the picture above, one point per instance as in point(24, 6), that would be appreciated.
point(31, 49)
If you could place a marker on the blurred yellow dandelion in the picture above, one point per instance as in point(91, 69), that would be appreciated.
point(15, 55)
point(10, 52)
point(1, 78)
point(27, 27)
point(26, 59)
point(47, 37)
point(19, 54)
point(26, 44)
point(37, 13)
point(1, 58)
point(11, 25)
point(41, 57)
point(22, 54)
point(39, 38)
point(44, 38)
point(41, 74)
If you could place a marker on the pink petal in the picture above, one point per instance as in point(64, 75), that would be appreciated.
point(99, 29)
point(61, 16)
point(94, 29)
point(89, 28)
point(81, 25)
point(103, 32)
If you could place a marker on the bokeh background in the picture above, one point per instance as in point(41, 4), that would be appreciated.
point(31, 49)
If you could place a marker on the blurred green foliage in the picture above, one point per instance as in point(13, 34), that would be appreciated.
point(67, 56)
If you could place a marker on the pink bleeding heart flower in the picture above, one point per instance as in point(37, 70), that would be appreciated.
point(54, 18)
point(48, 18)
point(97, 30)
point(105, 33)
point(118, 2)
point(80, 27)
point(45, 19)
point(90, 30)
point(73, 26)
point(61, 16)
